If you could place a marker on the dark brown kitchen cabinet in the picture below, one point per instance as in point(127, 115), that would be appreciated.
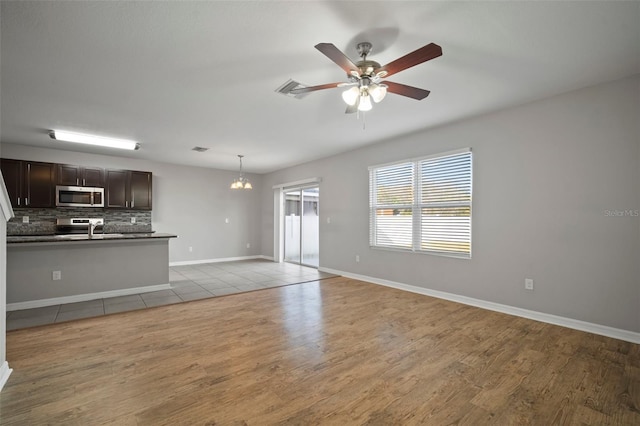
point(140, 189)
point(72, 175)
point(12, 174)
point(128, 189)
point(116, 189)
point(93, 176)
point(29, 183)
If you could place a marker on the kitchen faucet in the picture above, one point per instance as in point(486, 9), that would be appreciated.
point(92, 226)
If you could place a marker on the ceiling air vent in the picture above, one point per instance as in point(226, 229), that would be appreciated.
point(199, 149)
point(288, 86)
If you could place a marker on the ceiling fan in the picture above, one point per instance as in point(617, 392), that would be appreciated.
point(366, 76)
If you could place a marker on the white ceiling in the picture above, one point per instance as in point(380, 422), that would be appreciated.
point(174, 75)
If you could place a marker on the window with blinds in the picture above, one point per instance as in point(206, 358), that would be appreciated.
point(423, 205)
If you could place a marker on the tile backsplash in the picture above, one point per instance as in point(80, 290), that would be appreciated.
point(43, 221)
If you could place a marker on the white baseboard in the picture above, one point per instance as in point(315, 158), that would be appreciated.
point(218, 260)
point(603, 330)
point(84, 297)
point(5, 372)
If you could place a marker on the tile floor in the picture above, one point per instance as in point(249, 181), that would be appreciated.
point(190, 282)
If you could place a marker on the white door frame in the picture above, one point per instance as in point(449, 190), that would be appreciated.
point(278, 213)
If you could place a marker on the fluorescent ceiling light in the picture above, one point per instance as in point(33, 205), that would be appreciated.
point(62, 135)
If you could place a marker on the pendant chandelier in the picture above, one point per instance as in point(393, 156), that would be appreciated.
point(241, 182)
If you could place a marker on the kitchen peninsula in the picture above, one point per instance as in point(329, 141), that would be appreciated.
point(103, 266)
point(80, 232)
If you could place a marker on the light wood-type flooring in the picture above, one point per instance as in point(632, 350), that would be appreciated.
point(335, 352)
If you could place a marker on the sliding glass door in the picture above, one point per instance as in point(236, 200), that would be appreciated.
point(292, 212)
point(301, 226)
point(310, 227)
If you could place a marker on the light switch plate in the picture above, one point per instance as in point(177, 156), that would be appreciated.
point(25, 219)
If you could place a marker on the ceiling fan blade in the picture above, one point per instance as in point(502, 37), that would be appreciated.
point(404, 90)
point(425, 53)
point(314, 88)
point(333, 53)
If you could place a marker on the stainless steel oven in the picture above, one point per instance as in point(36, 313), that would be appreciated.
point(79, 196)
point(79, 225)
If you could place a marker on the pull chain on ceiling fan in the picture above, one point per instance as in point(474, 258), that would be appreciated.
point(366, 76)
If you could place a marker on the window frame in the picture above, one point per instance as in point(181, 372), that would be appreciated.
point(418, 205)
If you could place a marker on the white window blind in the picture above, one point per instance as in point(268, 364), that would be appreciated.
point(392, 205)
point(423, 205)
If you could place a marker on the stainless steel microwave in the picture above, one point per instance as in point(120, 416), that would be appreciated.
point(79, 196)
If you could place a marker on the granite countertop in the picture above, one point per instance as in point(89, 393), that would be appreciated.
point(19, 239)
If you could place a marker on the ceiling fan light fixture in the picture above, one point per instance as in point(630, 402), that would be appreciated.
point(350, 96)
point(368, 75)
point(365, 102)
point(377, 92)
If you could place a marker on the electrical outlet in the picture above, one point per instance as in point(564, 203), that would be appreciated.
point(226, 220)
point(528, 284)
point(25, 219)
point(357, 258)
point(248, 245)
point(133, 220)
point(190, 249)
point(328, 220)
point(56, 275)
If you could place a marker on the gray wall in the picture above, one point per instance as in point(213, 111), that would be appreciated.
point(87, 267)
point(548, 178)
point(191, 202)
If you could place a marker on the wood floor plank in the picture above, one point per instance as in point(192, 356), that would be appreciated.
point(336, 351)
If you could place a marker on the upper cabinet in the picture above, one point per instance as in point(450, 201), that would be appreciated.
point(33, 184)
point(115, 189)
point(127, 189)
point(92, 176)
point(140, 186)
point(29, 183)
point(12, 174)
point(72, 175)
